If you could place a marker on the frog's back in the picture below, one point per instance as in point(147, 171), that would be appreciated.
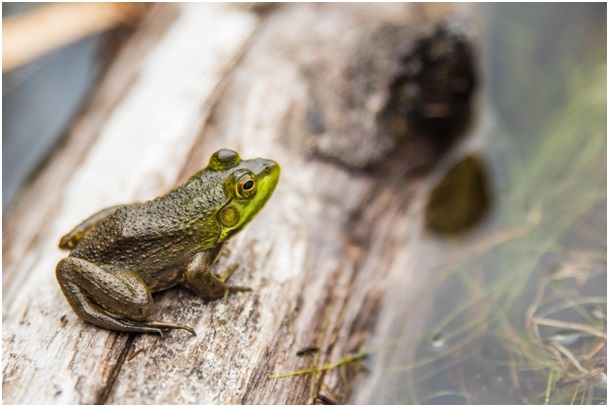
point(154, 235)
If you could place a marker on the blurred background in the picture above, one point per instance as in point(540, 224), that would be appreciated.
point(519, 302)
point(517, 311)
point(52, 55)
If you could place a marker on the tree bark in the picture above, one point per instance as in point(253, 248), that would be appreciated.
point(326, 90)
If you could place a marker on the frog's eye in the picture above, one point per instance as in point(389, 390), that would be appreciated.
point(246, 186)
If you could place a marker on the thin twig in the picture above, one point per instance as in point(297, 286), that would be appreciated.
point(569, 325)
point(569, 355)
point(28, 36)
point(341, 361)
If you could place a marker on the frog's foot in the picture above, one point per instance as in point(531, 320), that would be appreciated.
point(89, 311)
point(203, 281)
point(156, 326)
point(231, 270)
point(235, 288)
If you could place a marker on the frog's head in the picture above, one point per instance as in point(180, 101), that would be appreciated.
point(248, 184)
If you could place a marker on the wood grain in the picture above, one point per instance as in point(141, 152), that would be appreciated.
point(320, 256)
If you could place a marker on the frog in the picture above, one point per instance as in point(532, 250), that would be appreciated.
point(122, 254)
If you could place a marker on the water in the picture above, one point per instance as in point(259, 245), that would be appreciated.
point(515, 311)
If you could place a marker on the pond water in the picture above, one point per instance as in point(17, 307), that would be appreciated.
point(515, 311)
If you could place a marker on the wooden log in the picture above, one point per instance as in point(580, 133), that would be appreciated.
point(320, 88)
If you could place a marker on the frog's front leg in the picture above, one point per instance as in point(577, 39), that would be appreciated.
point(69, 241)
point(109, 296)
point(200, 278)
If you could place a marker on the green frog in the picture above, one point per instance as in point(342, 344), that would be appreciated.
point(123, 254)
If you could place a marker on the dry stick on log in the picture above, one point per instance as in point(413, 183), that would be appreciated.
point(46, 28)
point(336, 95)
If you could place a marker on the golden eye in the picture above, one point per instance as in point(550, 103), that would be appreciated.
point(246, 186)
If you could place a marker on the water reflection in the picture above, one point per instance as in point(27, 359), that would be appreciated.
point(460, 200)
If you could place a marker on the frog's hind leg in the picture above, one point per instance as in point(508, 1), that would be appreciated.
point(109, 296)
point(69, 241)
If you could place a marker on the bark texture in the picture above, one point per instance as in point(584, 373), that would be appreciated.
point(354, 101)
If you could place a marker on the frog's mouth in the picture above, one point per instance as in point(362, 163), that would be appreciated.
point(237, 213)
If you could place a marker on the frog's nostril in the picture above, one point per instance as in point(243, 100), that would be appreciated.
point(268, 167)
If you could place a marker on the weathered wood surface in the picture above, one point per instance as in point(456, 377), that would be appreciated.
point(282, 82)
